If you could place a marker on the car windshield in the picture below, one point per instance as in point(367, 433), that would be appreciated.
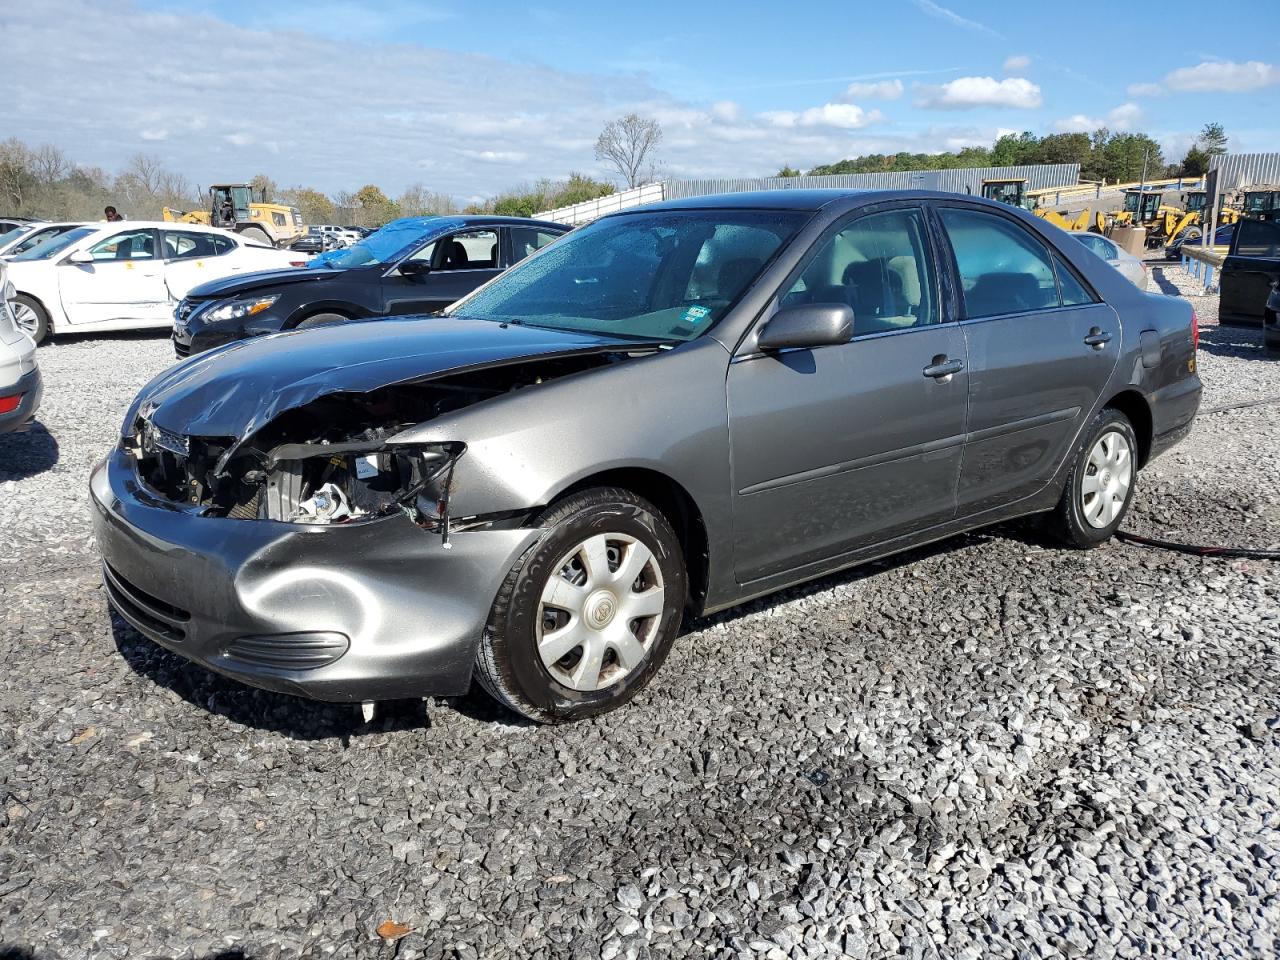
point(55, 245)
point(668, 275)
point(385, 245)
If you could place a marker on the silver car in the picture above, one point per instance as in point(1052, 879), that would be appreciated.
point(20, 386)
point(1124, 261)
point(668, 411)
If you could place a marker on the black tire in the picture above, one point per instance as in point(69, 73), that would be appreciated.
point(1068, 522)
point(508, 665)
point(256, 235)
point(42, 316)
point(321, 320)
point(1271, 332)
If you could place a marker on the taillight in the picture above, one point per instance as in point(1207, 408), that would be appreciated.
point(10, 404)
point(1195, 330)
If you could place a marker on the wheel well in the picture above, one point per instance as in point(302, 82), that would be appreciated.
point(293, 324)
point(1134, 406)
point(676, 505)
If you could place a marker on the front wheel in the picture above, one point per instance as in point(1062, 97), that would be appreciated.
point(1100, 486)
point(586, 617)
point(321, 320)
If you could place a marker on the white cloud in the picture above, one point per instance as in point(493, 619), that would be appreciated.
point(950, 16)
point(1016, 63)
point(846, 116)
point(964, 93)
point(1125, 116)
point(154, 135)
point(238, 139)
point(1122, 118)
point(726, 110)
point(1215, 76)
point(882, 90)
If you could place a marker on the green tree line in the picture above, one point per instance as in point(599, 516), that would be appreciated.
point(1102, 155)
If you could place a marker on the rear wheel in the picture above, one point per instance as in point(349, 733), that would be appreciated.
point(1271, 331)
point(586, 617)
point(1100, 486)
point(32, 318)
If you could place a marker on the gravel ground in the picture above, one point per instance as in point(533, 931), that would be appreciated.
point(990, 748)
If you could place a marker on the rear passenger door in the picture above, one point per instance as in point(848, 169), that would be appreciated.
point(840, 447)
point(1041, 349)
point(1249, 272)
point(191, 258)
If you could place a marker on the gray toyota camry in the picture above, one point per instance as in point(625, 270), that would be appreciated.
point(669, 411)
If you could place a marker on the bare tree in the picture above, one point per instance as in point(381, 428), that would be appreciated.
point(628, 144)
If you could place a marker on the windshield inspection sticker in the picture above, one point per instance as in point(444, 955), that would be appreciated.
point(695, 314)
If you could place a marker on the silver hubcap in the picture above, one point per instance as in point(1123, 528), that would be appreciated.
point(600, 611)
point(26, 318)
point(1107, 476)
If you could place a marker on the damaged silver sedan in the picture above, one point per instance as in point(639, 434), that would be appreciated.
point(673, 409)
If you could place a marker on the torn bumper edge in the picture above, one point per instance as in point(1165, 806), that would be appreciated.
point(412, 611)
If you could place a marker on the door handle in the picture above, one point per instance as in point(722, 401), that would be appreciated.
point(1097, 338)
point(942, 369)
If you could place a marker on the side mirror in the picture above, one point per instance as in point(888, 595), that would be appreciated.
point(415, 268)
point(807, 325)
point(80, 256)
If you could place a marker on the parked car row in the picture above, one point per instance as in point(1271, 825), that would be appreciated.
point(672, 409)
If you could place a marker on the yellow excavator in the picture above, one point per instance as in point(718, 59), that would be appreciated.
point(1013, 191)
point(241, 209)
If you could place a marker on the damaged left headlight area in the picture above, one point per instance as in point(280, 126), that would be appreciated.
point(332, 462)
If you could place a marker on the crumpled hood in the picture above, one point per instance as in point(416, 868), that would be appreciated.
point(235, 390)
point(247, 282)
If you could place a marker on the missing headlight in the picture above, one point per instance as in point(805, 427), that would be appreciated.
point(329, 483)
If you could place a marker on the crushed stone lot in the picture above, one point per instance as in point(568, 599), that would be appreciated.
point(988, 748)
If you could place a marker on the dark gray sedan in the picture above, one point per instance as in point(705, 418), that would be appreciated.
point(669, 411)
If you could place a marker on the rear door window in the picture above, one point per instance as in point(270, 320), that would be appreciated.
point(1258, 238)
point(528, 240)
point(1003, 269)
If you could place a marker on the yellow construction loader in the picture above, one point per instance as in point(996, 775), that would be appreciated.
point(241, 209)
point(1086, 219)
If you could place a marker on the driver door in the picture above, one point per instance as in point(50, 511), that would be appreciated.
point(460, 262)
point(125, 282)
point(841, 447)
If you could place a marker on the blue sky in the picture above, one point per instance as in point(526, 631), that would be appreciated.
point(470, 98)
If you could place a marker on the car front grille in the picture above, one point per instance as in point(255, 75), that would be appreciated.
point(181, 350)
point(150, 614)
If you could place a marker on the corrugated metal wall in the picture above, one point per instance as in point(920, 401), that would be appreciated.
point(952, 181)
point(1237, 170)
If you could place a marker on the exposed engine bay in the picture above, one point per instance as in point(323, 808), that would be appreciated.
point(333, 459)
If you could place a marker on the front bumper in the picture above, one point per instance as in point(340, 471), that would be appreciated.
point(31, 387)
point(366, 611)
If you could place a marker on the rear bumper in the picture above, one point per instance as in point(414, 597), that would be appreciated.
point(31, 388)
point(368, 611)
point(1173, 413)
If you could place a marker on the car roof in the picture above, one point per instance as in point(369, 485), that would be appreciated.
point(808, 200)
